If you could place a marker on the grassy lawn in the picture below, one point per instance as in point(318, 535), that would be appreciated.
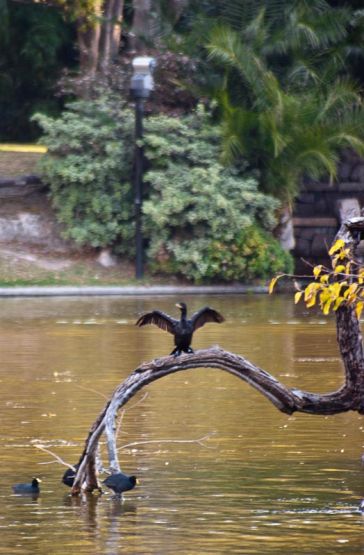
point(17, 160)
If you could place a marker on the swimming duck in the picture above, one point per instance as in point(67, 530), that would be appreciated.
point(32, 488)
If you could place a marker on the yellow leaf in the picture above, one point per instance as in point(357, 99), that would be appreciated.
point(335, 289)
point(297, 296)
point(350, 293)
point(359, 308)
point(324, 296)
point(338, 302)
point(334, 260)
point(339, 244)
point(311, 289)
point(324, 278)
point(345, 253)
point(311, 302)
point(272, 284)
point(340, 268)
point(317, 270)
point(348, 268)
point(326, 308)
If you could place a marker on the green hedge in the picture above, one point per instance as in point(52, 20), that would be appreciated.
point(202, 220)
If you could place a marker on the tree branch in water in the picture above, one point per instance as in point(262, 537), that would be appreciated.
point(288, 400)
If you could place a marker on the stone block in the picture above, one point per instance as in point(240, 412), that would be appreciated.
point(306, 198)
point(318, 186)
point(319, 245)
point(344, 170)
point(106, 259)
point(315, 222)
point(347, 208)
point(350, 187)
point(305, 232)
point(357, 173)
point(303, 247)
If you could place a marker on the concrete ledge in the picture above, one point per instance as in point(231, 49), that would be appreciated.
point(315, 222)
point(128, 291)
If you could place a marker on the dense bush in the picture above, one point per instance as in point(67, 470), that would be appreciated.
point(194, 207)
point(253, 253)
point(204, 220)
point(88, 168)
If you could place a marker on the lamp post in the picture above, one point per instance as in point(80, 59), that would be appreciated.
point(141, 88)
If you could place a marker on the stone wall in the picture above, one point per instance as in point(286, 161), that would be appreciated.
point(320, 208)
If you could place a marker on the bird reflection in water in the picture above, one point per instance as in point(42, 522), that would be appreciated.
point(104, 516)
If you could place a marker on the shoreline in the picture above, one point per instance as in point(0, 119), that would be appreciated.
point(128, 290)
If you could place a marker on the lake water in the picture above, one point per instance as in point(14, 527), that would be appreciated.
point(259, 483)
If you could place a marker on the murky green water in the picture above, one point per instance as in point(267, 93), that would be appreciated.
point(261, 482)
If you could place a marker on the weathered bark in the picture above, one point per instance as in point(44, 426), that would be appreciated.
point(348, 397)
point(142, 29)
point(176, 8)
point(110, 33)
point(88, 38)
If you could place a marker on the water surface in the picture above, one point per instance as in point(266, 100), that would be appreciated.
point(259, 483)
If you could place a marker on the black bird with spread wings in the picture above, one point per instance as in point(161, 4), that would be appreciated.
point(182, 329)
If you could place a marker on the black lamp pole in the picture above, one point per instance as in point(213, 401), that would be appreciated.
point(141, 87)
point(138, 187)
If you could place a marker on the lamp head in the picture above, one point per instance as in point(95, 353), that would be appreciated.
point(142, 83)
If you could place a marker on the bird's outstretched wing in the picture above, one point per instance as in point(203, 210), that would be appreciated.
point(158, 318)
point(204, 315)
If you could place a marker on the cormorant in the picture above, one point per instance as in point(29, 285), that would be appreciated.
point(32, 488)
point(120, 482)
point(181, 329)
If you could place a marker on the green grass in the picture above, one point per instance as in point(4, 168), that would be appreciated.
point(13, 164)
point(83, 271)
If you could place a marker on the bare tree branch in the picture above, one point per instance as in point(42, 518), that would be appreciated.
point(348, 397)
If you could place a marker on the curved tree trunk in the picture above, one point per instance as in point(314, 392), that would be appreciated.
point(288, 400)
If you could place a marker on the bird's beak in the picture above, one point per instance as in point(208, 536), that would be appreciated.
point(39, 480)
point(138, 482)
point(178, 305)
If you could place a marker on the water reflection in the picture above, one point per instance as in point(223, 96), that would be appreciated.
point(261, 482)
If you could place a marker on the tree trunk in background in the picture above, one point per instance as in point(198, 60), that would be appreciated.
point(176, 8)
point(142, 29)
point(88, 37)
point(110, 33)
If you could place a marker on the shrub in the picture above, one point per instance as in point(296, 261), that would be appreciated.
point(192, 202)
point(88, 169)
point(204, 220)
point(253, 254)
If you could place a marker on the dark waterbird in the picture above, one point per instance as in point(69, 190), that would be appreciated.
point(69, 476)
point(120, 482)
point(182, 329)
point(32, 488)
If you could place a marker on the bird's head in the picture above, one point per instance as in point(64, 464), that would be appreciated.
point(36, 482)
point(134, 480)
point(182, 306)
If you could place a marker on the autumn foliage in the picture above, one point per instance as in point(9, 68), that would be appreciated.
point(343, 283)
